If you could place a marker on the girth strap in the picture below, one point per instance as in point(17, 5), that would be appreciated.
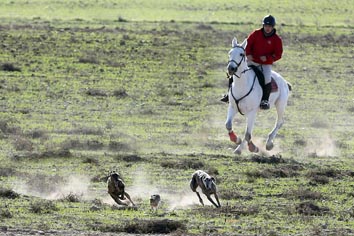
point(238, 100)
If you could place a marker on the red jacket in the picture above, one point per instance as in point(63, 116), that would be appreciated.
point(259, 45)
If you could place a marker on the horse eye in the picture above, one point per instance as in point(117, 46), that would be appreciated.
point(241, 54)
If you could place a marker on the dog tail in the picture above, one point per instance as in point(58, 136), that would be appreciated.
point(193, 184)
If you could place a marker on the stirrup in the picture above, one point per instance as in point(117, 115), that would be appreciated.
point(264, 105)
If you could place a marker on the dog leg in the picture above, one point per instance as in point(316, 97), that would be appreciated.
point(127, 195)
point(117, 200)
point(211, 200)
point(217, 199)
point(200, 199)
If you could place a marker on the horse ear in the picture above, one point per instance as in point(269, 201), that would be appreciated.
point(234, 42)
point(244, 43)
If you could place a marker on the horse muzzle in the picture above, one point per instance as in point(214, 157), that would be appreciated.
point(231, 69)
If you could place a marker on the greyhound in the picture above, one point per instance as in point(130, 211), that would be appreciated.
point(207, 184)
point(155, 201)
point(116, 189)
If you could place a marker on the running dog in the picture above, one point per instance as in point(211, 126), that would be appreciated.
point(155, 201)
point(207, 184)
point(116, 189)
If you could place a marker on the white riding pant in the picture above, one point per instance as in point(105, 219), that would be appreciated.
point(266, 69)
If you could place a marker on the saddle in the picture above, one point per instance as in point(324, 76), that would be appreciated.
point(260, 77)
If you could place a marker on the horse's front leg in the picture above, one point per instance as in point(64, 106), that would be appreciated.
point(231, 112)
point(251, 118)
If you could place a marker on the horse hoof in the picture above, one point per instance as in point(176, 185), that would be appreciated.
point(255, 149)
point(233, 137)
point(237, 151)
point(252, 147)
point(269, 146)
point(238, 141)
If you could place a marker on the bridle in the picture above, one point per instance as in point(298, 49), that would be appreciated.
point(243, 58)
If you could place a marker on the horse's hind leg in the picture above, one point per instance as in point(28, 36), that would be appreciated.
point(279, 122)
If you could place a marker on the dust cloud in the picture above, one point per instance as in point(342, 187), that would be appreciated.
point(172, 197)
point(75, 185)
point(323, 146)
point(140, 190)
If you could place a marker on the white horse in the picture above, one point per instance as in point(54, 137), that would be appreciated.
point(245, 96)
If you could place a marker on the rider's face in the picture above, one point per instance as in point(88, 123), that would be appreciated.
point(268, 28)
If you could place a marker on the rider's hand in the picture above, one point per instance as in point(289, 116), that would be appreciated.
point(263, 58)
point(249, 57)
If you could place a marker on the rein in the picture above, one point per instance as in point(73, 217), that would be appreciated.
point(238, 100)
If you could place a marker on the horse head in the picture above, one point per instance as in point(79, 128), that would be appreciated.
point(237, 57)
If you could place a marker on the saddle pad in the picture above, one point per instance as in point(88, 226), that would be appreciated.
point(274, 86)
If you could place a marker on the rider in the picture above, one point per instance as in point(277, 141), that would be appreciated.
point(263, 48)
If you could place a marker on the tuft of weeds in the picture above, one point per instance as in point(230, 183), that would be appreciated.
point(42, 206)
point(8, 193)
point(164, 226)
point(310, 208)
point(10, 67)
point(183, 164)
point(22, 144)
point(72, 197)
point(119, 146)
point(274, 159)
point(303, 194)
point(6, 171)
point(276, 172)
point(91, 160)
point(120, 93)
point(96, 92)
point(5, 213)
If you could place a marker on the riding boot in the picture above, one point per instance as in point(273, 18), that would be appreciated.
point(265, 98)
point(225, 98)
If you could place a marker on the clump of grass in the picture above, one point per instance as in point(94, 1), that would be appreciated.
point(89, 59)
point(300, 142)
point(37, 133)
point(10, 67)
point(121, 19)
point(310, 208)
point(6, 171)
point(322, 175)
point(277, 172)
point(22, 144)
point(5, 213)
point(42, 206)
point(274, 159)
point(164, 226)
point(183, 164)
point(233, 194)
point(120, 93)
point(304, 194)
point(8, 193)
point(118, 146)
point(319, 179)
point(49, 153)
point(71, 197)
point(90, 160)
point(129, 158)
point(96, 92)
